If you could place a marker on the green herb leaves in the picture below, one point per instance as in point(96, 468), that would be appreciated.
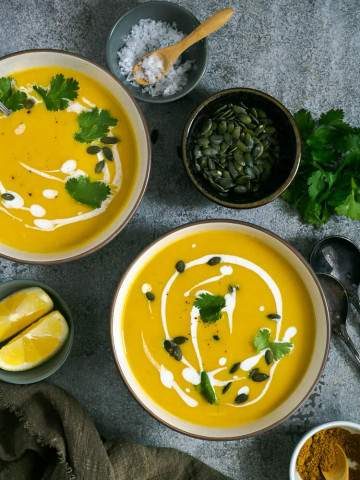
point(60, 92)
point(210, 306)
point(278, 349)
point(9, 96)
point(94, 125)
point(86, 191)
point(328, 181)
point(206, 389)
point(261, 339)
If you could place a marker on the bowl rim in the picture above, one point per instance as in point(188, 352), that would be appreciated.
point(294, 251)
point(290, 119)
point(147, 160)
point(310, 433)
point(159, 99)
point(27, 283)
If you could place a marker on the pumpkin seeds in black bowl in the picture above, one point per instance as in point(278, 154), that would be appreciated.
point(241, 148)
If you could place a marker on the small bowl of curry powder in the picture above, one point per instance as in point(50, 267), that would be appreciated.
point(316, 451)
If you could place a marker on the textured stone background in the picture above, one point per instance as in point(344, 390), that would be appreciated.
point(306, 53)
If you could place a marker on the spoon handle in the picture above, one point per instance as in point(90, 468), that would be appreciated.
point(354, 299)
point(349, 343)
point(210, 25)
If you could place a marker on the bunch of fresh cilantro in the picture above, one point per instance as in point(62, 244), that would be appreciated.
point(328, 181)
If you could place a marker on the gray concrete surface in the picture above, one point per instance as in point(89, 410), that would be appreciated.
point(303, 52)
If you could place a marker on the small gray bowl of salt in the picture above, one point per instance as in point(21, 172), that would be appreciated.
point(146, 28)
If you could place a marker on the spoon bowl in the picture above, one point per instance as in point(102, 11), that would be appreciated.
point(340, 257)
point(340, 468)
point(338, 304)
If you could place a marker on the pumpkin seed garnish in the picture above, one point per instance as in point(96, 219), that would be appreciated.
point(109, 140)
point(241, 398)
point(7, 196)
point(216, 338)
point(213, 261)
point(206, 389)
point(93, 149)
point(150, 296)
point(173, 349)
point(256, 376)
point(99, 166)
point(180, 340)
point(226, 387)
point(274, 316)
point(269, 357)
point(108, 154)
point(235, 367)
point(180, 266)
point(29, 103)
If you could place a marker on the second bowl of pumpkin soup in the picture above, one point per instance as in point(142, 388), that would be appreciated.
point(220, 341)
point(75, 152)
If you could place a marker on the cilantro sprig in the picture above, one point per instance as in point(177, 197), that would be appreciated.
point(209, 306)
point(60, 92)
point(262, 341)
point(93, 125)
point(86, 191)
point(11, 97)
point(328, 181)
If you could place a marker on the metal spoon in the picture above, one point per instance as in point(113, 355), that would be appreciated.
point(166, 57)
point(338, 303)
point(340, 469)
point(6, 111)
point(339, 257)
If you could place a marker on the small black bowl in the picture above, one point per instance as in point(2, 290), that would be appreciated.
point(289, 141)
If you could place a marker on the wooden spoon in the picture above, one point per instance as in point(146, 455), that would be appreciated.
point(167, 56)
point(340, 470)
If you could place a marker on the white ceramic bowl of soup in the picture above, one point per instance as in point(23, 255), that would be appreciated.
point(350, 426)
point(307, 379)
point(22, 61)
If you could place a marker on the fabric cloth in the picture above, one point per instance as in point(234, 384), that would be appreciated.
point(46, 435)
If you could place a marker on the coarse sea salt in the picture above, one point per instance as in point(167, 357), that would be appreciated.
point(145, 37)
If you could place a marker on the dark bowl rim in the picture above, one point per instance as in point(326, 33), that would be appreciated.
point(293, 251)
point(147, 160)
point(66, 348)
point(171, 98)
point(274, 101)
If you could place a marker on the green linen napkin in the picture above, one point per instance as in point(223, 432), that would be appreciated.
point(46, 435)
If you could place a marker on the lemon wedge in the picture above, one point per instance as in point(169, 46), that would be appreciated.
point(21, 308)
point(36, 344)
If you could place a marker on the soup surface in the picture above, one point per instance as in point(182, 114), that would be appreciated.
point(223, 338)
point(69, 160)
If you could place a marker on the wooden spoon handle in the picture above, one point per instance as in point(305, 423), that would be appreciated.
point(211, 25)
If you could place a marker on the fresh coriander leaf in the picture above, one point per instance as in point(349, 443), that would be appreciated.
point(280, 349)
point(261, 339)
point(305, 123)
point(332, 117)
point(85, 191)
point(59, 93)
point(206, 389)
point(329, 169)
point(210, 306)
point(94, 125)
point(9, 96)
point(351, 205)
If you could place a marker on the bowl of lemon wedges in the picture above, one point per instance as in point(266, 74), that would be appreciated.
point(36, 331)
